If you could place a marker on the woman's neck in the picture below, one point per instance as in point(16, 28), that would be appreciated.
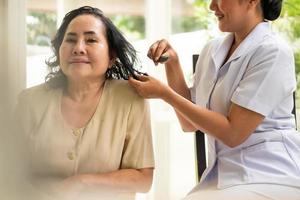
point(80, 90)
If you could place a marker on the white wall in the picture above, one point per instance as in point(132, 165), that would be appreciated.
point(16, 47)
point(12, 80)
point(13, 51)
point(3, 80)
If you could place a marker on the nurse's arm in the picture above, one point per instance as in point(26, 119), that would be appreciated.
point(232, 130)
point(177, 82)
point(174, 75)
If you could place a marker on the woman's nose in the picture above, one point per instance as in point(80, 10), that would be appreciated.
point(79, 48)
point(212, 5)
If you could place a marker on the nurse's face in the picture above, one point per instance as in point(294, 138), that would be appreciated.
point(232, 15)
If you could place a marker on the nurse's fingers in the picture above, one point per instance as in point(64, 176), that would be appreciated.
point(137, 82)
point(152, 50)
point(157, 49)
point(143, 78)
point(133, 82)
point(160, 49)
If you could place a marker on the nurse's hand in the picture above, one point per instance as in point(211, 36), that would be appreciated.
point(149, 87)
point(162, 52)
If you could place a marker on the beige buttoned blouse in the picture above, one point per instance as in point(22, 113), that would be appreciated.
point(118, 136)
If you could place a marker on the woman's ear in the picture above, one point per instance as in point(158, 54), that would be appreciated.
point(113, 58)
point(254, 3)
point(112, 62)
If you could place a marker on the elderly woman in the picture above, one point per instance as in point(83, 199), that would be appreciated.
point(88, 133)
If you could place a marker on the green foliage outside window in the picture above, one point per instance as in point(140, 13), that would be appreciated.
point(41, 27)
point(132, 27)
point(201, 18)
point(289, 24)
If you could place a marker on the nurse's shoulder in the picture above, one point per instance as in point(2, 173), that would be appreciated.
point(273, 43)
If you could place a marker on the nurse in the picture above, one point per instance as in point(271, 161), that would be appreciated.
point(242, 98)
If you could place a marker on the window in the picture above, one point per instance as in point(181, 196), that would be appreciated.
point(41, 27)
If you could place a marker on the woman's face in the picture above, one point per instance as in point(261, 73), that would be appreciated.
point(232, 15)
point(84, 52)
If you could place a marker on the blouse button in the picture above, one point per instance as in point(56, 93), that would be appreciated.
point(71, 155)
point(76, 132)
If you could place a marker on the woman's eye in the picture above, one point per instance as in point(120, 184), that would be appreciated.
point(91, 40)
point(70, 40)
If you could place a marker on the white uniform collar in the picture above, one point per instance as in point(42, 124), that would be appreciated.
point(253, 38)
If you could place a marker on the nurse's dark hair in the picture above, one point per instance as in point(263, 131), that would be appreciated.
point(271, 9)
point(119, 49)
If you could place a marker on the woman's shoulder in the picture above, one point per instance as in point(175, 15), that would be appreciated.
point(37, 93)
point(121, 89)
point(34, 101)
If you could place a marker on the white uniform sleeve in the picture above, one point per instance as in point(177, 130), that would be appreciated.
point(269, 78)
